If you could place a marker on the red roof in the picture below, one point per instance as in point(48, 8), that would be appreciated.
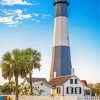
point(84, 82)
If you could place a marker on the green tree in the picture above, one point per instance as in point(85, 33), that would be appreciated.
point(8, 88)
point(7, 72)
point(16, 62)
point(34, 62)
point(27, 91)
point(91, 86)
point(97, 89)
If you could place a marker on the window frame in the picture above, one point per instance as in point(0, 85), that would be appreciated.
point(67, 90)
point(76, 81)
point(71, 80)
point(80, 90)
point(58, 90)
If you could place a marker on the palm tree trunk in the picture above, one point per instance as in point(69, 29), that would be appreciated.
point(30, 75)
point(9, 82)
point(16, 80)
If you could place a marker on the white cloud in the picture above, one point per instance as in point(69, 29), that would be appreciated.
point(36, 20)
point(13, 2)
point(36, 14)
point(35, 2)
point(13, 17)
point(22, 16)
point(8, 20)
point(38, 17)
point(46, 15)
point(42, 15)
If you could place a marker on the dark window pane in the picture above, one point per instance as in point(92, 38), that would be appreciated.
point(75, 90)
point(67, 90)
point(58, 90)
point(75, 81)
point(72, 90)
point(71, 81)
point(80, 90)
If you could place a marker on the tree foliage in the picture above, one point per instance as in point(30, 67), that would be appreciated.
point(34, 62)
point(8, 88)
point(19, 63)
point(97, 89)
point(27, 91)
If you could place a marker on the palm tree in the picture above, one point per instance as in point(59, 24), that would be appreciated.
point(34, 62)
point(16, 62)
point(7, 72)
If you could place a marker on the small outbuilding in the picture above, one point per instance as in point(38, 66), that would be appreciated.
point(40, 84)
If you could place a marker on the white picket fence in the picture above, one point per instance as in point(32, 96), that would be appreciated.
point(56, 98)
point(53, 97)
point(46, 98)
point(89, 98)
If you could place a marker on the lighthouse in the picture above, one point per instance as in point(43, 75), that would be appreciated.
point(61, 60)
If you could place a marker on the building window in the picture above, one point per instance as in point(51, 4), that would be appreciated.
point(69, 90)
point(87, 92)
point(78, 90)
point(71, 81)
point(58, 90)
point(76, 81)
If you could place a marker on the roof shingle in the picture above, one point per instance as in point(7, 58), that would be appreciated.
point(37, 80)
point(58, 81)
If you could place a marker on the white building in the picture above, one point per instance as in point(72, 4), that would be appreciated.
point(69, 86)
point(40, 83)
point(60, 86)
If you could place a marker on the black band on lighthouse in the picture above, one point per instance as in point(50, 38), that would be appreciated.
point(61, 8)
point(62, 61)
point(61, 1)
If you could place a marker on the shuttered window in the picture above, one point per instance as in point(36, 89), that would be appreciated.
point(78, 90)
point(69, 90)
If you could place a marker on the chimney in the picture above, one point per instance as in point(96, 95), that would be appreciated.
point(54, 74)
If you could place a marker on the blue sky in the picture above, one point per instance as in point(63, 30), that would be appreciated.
point(30, 23)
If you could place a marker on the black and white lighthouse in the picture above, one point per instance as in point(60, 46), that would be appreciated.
point(61, 60)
